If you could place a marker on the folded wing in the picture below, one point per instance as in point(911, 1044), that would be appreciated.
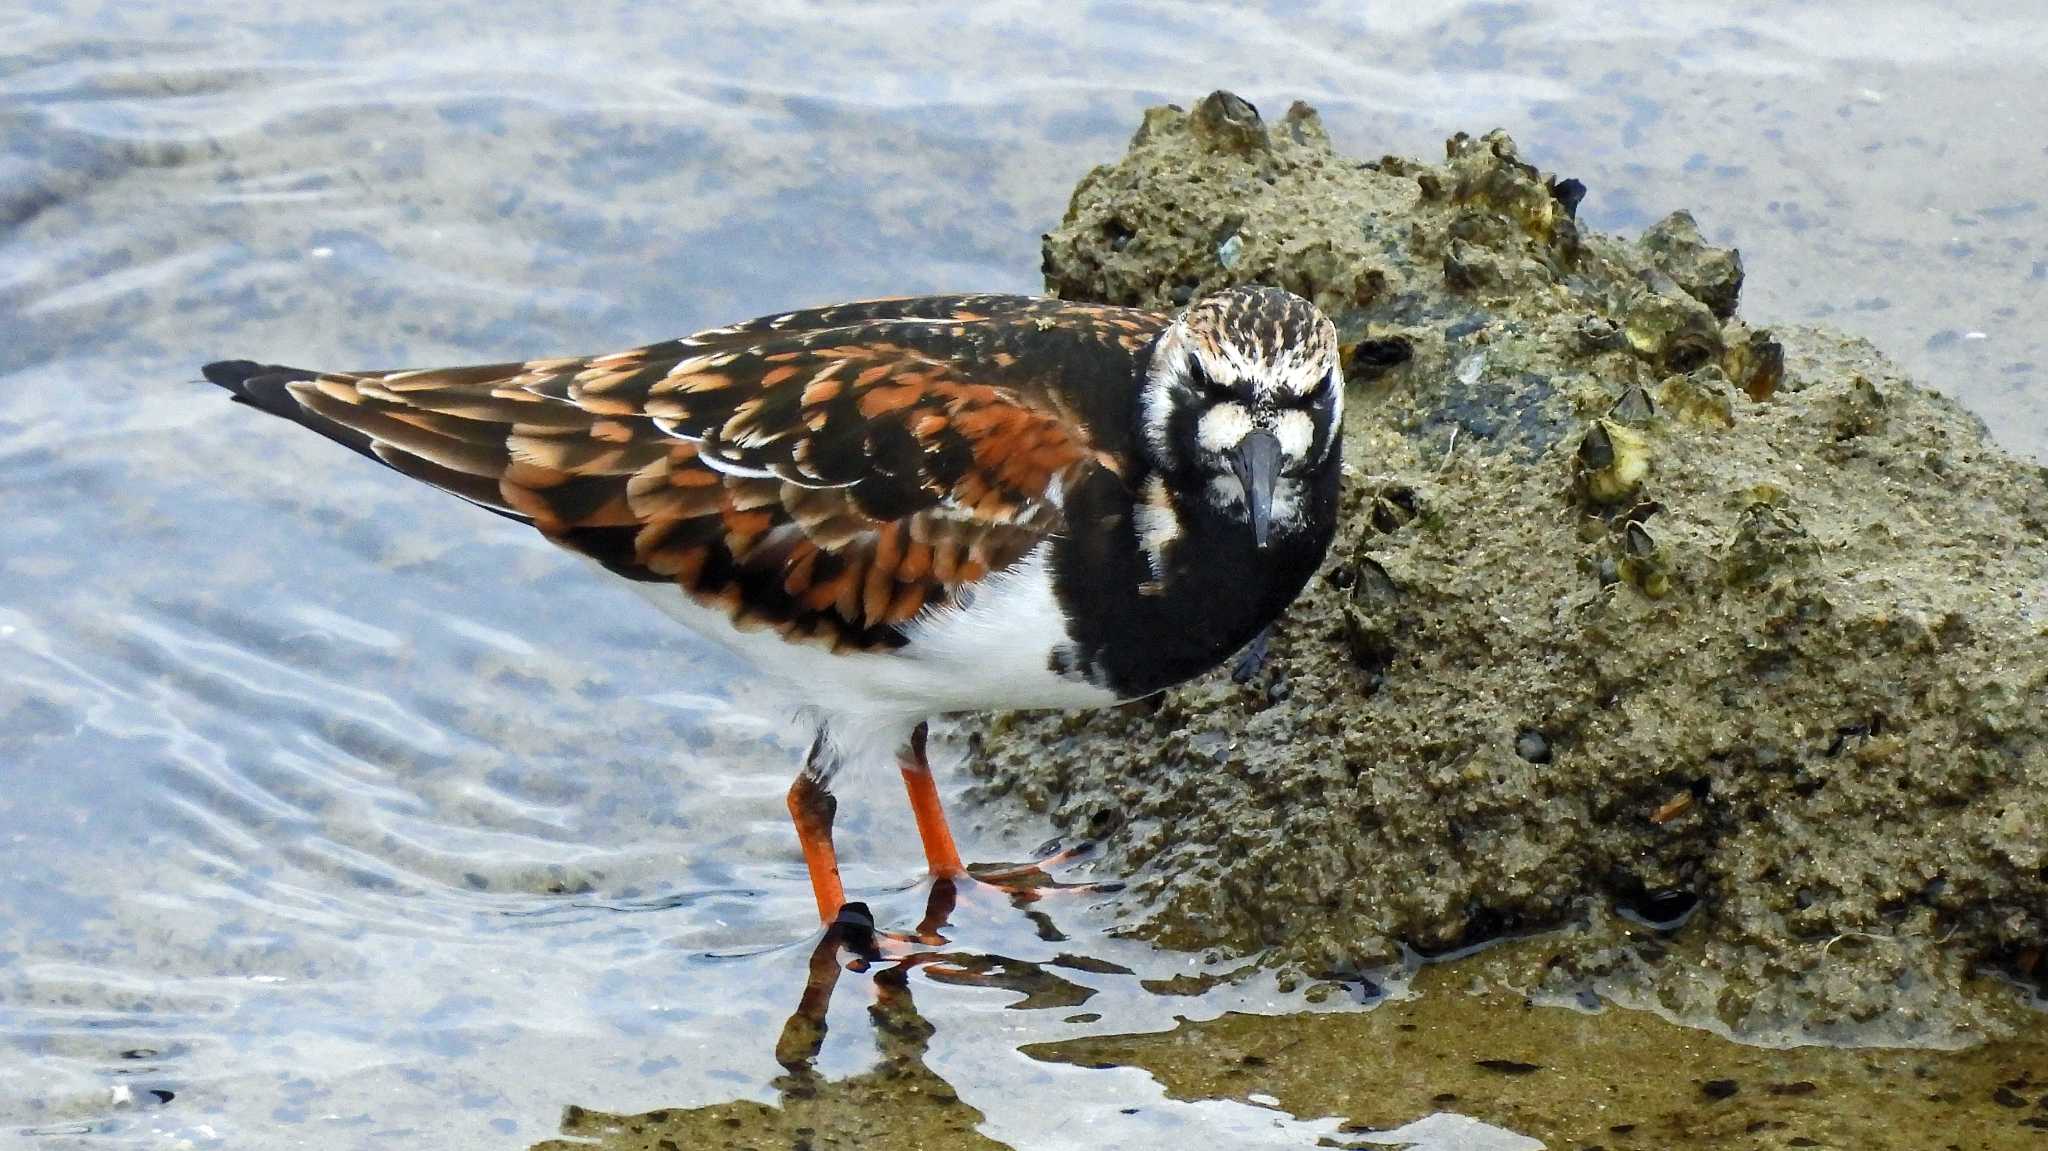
point(829, 474)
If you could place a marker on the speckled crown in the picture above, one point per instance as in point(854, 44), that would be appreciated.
point(1271, 337)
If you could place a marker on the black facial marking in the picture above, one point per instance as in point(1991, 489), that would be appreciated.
point(1317, 397)
point(1218, 592)
point(1202, 385)
point(1184, 433)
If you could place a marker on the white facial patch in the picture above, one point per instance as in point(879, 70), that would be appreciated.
point(1166, 377)
point(1158, 525)
point(1288, 506)
point(1223, 426)
point(1225, 494)
point(1296, 430)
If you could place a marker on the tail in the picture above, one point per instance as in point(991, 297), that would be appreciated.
point(265, 387)
point(293, 394)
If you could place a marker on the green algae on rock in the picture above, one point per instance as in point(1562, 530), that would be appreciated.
point(1620, 1080)
point(1634, 607)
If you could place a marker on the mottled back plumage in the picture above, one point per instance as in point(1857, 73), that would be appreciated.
point(827, 473)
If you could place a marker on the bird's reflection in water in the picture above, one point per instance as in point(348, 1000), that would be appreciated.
point(900, 1101)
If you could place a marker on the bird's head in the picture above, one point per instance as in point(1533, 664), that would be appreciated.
point(1241, 405)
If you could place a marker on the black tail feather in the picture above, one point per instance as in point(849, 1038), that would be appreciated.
point(258, 385)
point(266, 388)
point(263, 386)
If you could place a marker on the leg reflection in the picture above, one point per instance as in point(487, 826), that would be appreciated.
point(900, 1102)
point(853, 930)
point(851, 944)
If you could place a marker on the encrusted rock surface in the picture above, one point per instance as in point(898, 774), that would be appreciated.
point(1721, 652)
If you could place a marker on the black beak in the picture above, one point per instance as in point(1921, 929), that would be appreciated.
point(1256, 460)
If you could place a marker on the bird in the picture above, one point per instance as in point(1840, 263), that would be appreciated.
point(905, 508)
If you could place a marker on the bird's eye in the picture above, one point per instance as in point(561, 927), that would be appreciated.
point(1199, 381)
point(1319, 395)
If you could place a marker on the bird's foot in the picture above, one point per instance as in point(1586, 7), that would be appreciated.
point(1029, 882)
point(853, 930)
point(989, 892)
point(998, 891)
point(854, 933)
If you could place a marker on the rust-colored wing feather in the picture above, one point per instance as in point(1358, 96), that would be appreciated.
point(827, 473)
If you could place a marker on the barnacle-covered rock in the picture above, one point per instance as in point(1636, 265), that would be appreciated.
point(1470, 267)
point(1775, 612)
point(1227, 120)
point(1489, 174)
point(1671, 330)
point(1711, 275)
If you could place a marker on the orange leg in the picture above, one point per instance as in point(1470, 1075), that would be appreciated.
point(811, 808)
point(939, 853)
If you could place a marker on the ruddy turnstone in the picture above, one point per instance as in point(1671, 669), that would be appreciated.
point(904, 508)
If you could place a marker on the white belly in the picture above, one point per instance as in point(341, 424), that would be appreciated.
point(995, 653)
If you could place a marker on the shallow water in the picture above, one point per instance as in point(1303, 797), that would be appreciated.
point(343, 814)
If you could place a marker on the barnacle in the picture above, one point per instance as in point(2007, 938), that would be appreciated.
point(1703, 396)
point(1634, 407)
point(1643, 564)
point(1613, 461)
